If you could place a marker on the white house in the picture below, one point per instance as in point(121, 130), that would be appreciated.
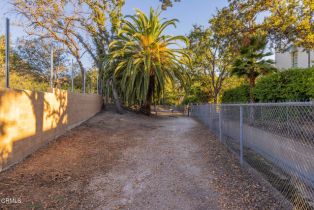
point(294, 58)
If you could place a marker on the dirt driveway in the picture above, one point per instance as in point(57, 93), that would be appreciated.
point(134, 162)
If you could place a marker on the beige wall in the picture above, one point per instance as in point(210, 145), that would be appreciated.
point(284, 60)
point(30, 119)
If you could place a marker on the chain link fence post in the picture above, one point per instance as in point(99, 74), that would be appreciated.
point(220, 123)
point(241, 135)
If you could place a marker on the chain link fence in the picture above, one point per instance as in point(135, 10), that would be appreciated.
point(275, 139)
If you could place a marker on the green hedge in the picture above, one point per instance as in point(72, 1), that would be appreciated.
point(236, 95)
point(290, 85)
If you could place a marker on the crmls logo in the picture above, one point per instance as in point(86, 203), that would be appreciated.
point(10, 200)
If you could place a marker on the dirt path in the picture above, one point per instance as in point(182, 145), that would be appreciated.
point(134, 162)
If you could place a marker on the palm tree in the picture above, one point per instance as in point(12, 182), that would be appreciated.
point(251, 62)
point(145, 59)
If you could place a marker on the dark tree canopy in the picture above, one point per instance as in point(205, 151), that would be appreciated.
point(37, 52)
point(167, 3)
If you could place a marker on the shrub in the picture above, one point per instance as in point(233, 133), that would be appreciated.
point(236, 95)
point(290, 85)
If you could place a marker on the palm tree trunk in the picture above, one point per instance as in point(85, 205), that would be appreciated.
point(100, 78)
point(107, 91)
point(146, 107)
point(116, 97)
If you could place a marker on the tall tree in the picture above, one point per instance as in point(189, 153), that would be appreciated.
point(80, 25)
point(251, 62)
point(291, 21)
point(212, 56)
point(145, 58)
point(284, 22)
point(37, 53)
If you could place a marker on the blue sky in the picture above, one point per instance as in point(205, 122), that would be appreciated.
point(188, 12)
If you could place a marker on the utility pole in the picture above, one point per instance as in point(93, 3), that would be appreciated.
point(7, 54)
point(51, 67)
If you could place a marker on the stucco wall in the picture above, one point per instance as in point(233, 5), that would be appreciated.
point(303, 58)
point(30, 119)
point(284, 60)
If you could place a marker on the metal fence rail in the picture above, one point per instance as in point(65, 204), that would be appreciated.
point(276, 139)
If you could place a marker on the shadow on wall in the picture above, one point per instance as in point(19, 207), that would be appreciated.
point(29, 119)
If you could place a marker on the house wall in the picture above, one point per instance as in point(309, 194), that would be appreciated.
point(284, 60)
point(303, 59)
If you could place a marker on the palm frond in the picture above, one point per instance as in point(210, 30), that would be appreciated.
point(143, 56)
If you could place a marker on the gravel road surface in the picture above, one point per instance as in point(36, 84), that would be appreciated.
point(132, 161)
